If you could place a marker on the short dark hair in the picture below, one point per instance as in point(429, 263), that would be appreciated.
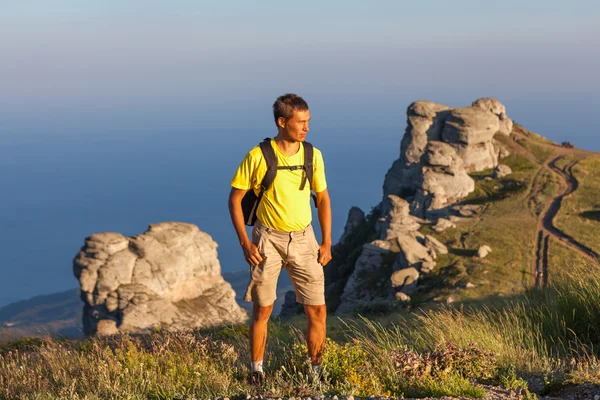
point(285, 106)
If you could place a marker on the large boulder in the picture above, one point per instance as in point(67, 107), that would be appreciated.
point(477, 157)
point(412, 253)
point(470, 125)
point(495, 107)
point(405, 280)
point(396, 218)
point(169, 276)
point(368, 264)
point(425, 121)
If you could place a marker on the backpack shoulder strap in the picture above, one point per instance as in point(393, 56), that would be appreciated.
point(271, 160)
point(308, 165)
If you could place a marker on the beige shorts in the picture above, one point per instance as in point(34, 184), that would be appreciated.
point(295, 251)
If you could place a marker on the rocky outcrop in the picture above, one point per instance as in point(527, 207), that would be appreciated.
point(290, 307)
point(469, 125)
point(440, 147)
point(169, 276)
point(497, 108)
point(443, 224)
point(396, 218)
point(369, 264)
point(356, 217)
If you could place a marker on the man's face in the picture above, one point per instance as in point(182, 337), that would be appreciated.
point(296, 128)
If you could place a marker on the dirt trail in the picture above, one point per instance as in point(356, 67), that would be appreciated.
point(546, 227)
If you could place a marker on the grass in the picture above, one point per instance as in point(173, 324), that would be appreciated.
point(553, 335)
point(561, 258)
point(579, 215)
point(536, 145)
point(506, 226)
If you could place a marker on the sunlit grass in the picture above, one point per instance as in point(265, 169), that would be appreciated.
point(554, 333)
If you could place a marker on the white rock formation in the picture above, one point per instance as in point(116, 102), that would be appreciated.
point(440, 146)
point(169, 276)
point(497, 108)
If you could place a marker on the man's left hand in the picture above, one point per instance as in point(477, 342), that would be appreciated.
point(324, 254)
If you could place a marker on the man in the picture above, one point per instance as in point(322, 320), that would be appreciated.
point(283, 236)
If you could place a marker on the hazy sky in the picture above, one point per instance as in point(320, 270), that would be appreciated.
point(73, 65)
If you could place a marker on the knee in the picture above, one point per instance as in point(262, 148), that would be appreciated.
point(261, 314)
point(316, 314)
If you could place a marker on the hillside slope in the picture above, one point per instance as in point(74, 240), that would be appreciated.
point(536, 220)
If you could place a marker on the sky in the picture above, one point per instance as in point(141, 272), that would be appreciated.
point(103, 102)
point(71, 65)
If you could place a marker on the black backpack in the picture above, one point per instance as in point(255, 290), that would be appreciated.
point(250, 200)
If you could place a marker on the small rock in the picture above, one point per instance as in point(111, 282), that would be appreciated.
point(403, 297)
point(350, 397)
point(487, 178)
point(471, 285)
point(443, 224)
point(450, 300)
point(334, 398)
point(597, 397)
point(483, 251)
point(427, 266)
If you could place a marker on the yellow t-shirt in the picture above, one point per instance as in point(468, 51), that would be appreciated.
point(283, 206)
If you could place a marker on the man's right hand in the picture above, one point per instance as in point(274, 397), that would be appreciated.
point(251, 254)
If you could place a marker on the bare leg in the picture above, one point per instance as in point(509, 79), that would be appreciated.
point(258, 331)
point(315, 332)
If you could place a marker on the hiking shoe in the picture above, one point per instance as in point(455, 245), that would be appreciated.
point(256, 379)
point(315, 374)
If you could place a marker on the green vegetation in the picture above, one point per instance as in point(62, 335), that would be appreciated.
point(552, 335)
point(537, 145)
point(508, 228)
point(579, 215)
point(561, 258)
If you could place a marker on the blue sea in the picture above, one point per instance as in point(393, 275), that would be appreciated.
point(59, 187)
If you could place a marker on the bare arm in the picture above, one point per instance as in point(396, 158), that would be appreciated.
point(250, 250)
point(324, 213)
